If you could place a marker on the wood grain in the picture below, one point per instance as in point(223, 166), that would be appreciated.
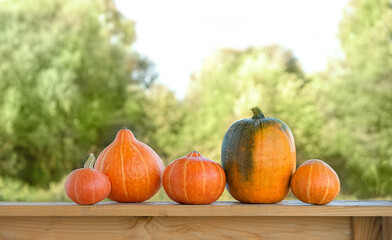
point(285, 208)
point(386, 228)
point(316, 228)
point(367, 228)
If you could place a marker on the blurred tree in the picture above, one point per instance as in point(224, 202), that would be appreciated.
point(231, 82)
point(166, 115)
point(67, 73)
point(361, 120)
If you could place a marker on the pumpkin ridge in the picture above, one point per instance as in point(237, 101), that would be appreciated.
point(308, 186)
point(232, 151)
point(75, 191)
point(107, 167)
point(223, 178)
point(144, 162)
point(293, 187)
point(338, 181)
point(285, 129)
point(92, 185)
point(246, 145)
point(227, 141)
point(259, 176)
point(68, 186)
point(206, 184)
point(101, 163)
point(184, 182)
point(169, 177)
point(122, 166)
point(204, 179)
point(326, 192)
point(148, 172)
point(289, 135)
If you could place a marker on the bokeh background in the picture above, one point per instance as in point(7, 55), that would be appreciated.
point(70, 78)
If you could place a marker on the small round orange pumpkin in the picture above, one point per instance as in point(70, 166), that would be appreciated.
point(315, 182)
point(86, 185)
point(133, 168)
point(194, 179)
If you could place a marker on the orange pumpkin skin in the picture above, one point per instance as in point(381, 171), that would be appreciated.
point(194, 179)
point(87, 186)
point(133, 168)
point(259, 158)
point(315, 182)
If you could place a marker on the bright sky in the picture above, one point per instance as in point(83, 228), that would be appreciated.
point(177, 35)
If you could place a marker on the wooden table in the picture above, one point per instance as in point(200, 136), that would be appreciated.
point(221, 220)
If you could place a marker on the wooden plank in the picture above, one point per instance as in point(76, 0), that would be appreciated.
point(367, 228)
point(285, 208)
point(316, 228)
point(386, 228)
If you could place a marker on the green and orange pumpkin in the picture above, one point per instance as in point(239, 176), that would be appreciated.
point(259, 158)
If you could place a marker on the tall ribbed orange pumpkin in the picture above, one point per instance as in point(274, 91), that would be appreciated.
point(258, 156)
point(133, 168)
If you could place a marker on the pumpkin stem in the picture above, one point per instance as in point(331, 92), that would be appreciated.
point(257, 113)
point(90, 162)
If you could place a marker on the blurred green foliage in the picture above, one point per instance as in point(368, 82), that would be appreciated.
point(231, 81)
point(66, 76)
point(361, 99)
point(70, 80)
point(17, 190)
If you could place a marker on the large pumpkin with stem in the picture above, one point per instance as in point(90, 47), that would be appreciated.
point(259, 158)
point(134, 169)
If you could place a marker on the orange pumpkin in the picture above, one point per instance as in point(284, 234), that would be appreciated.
point(87, 185)
point(315, 182)
point(258, 156)
point(133, 168)
point(194, 179)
